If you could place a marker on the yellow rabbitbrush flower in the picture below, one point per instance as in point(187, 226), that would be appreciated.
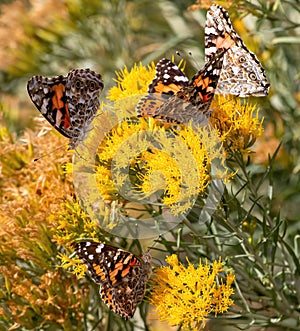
point(131, 85)
point(237, 122)
point(109, 149)
point(133, 82)
point(185, 296)
point(161, 169)
point(164, 169)
point(185, 166)
point(174, 161)
point(72, 222)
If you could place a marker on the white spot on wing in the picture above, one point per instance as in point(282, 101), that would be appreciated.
point(99, 248)
point(181, 78)
point(209, 30)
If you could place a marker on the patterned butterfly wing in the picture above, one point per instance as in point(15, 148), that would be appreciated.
point(242, 73)
point(191, 102)
point(122, 276)
point(69, 103)
point(167, 81)
point(49, 97)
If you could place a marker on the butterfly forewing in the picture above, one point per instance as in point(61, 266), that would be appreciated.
point(190, 100)
point(122, 276)
point(242, 73)
point(48, 95)
point(168, 79)
point(167, 82)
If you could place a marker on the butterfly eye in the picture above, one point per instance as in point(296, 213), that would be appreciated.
point(242, 59)
point(252, 76)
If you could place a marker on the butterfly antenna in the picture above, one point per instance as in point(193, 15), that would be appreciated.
point(47, 154)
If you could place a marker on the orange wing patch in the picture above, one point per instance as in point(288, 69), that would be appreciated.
point(62, 114)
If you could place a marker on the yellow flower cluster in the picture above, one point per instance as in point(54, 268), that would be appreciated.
point(165, 167)
point(237, 122)
point(131, 85)
point(179, 159)
point(133, 82)
point(162, 168)
point(187, 295)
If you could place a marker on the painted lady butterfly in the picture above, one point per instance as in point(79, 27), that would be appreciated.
point(242, 73)
point(69, 103)
point(173, 98)
point(122, 276)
